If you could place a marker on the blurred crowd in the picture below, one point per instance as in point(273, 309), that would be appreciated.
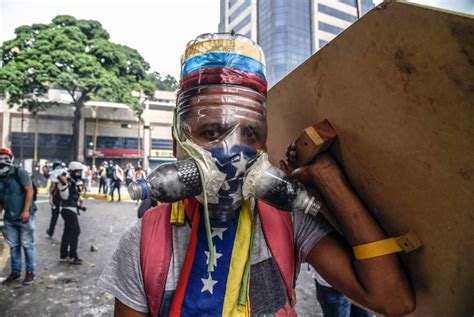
point(107, 178)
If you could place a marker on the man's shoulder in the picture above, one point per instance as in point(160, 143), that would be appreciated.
point(20, 175)
point(23, 174)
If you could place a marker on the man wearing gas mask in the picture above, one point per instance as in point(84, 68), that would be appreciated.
point(16, 200)
point(69, 187)
point(235, 230)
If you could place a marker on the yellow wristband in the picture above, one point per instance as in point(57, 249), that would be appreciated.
point(407, 242)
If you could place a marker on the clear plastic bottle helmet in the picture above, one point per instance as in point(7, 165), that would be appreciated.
point(222, 116)
point(222, 92)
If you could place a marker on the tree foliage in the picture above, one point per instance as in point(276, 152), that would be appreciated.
point(169, 83)
point(74, 55)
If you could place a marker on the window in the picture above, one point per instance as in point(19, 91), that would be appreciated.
point(352, 3)
point(50, 146)
point(322, 43)
point(239, 10)
point(242, 23)
point(109, 142)
point(162, 144)
point(161, 107)
point(232, 2)
point(329, 28)
point(336, 13)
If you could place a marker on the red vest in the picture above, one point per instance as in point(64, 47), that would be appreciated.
point(155, 257)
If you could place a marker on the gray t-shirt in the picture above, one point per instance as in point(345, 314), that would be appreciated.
point(123, 278)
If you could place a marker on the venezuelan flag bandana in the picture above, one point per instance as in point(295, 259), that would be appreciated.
point(203, 293)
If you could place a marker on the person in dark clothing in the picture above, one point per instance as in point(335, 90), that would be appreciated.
point(117, 178)
point(103, 178)
point(110, 176)
point(71, 202)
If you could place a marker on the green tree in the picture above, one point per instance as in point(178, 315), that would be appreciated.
point(76, 56)
point(169, 83)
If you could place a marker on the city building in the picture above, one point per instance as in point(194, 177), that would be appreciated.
point(289, 31)
point(239, 16)
point(118, 134)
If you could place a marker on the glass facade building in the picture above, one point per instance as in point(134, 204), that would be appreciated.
point(289, 31)
point(284, 33)
point(239, 16)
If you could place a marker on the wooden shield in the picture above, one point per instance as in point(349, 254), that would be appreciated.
point(398, 88)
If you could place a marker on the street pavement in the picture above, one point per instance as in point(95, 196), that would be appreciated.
point(63, 289)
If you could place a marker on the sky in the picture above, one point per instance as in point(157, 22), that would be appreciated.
point(158, 29)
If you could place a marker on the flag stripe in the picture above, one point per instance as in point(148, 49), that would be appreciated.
point(240, 255)
point(178, 297)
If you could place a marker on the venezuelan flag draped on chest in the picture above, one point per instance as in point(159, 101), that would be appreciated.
point(203, 293)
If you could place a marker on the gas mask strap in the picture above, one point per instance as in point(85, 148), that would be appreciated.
point(199, 162)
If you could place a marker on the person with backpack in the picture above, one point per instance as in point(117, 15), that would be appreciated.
point(54, 198)
point(16, 199)
point(70, 188)
point(220, 251)
point(116, 181)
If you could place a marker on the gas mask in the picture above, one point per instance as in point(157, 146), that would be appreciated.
point(5, 165)
point(76, 175)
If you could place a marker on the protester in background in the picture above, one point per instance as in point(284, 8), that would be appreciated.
point(45, 170)
point(71, 202)
point(87, 178)
point(54, 199)
point(129, 174)
point(94, 176)
point(139, 173)
point(103, 178)
point(117, 178)
point(16, 198)
point(110, 176)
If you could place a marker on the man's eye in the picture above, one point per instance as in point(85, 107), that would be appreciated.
point(249, 132)
point(213, 132)
point(210, 134)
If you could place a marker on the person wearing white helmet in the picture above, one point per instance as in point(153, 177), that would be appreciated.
point(71, 204)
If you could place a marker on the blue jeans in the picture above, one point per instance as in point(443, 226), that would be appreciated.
point(21, 234)
point(334, 304)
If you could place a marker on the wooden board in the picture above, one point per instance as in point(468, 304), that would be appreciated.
point(398, 88)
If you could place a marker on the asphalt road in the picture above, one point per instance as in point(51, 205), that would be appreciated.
point(62, 289)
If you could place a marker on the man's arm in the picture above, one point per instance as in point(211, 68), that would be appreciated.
point(63, 187)
point(52, 188)
point(121, 310)
point(379, 283)
point(25, 214)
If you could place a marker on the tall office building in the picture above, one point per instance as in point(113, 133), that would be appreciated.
point(289, 31)
point(239, 16)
